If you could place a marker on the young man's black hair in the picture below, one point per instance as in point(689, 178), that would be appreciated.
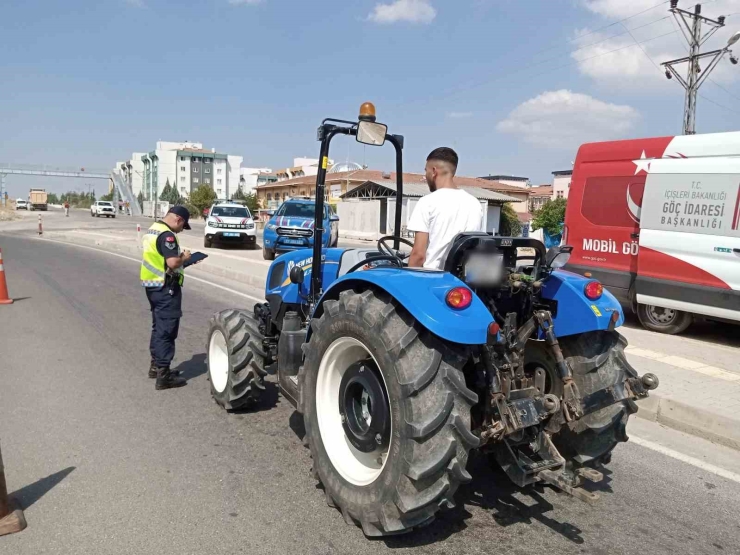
point(444, 154)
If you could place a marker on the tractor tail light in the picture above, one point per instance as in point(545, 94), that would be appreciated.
point(593, 290)
point(459, 298)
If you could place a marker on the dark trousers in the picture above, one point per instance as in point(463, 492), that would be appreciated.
point(166, 306)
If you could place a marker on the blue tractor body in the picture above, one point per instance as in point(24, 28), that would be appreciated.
point(423, 293)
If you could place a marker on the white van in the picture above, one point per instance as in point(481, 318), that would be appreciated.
point(657, 221)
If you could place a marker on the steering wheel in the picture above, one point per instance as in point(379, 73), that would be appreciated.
point(386, 250)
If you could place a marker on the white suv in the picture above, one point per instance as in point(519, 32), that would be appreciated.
point(102, 208)
point(230, 222)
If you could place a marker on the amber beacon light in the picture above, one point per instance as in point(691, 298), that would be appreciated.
point(367, 112)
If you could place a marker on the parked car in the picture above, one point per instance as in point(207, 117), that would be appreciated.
point(292, 227)
point(21, 204)
point(229, 222)
point(657, 221)
point(102, 208)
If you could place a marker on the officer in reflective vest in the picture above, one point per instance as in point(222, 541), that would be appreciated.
point(162, 275)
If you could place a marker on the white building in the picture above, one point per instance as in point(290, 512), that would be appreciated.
point(512, 180)
point(561, 183)
point(248, 178)
point(185, 165)
point(301, 168)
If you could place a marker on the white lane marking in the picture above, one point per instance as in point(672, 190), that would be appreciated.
point(233, 291)
point(684, 363)
point(685, 458)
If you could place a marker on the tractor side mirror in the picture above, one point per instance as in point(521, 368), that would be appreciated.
point(371, 133)
point(557, 257)
point(297, 275)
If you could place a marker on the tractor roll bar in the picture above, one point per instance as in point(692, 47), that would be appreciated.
point(327, 131)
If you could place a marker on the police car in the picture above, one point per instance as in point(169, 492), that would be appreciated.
point(229, 222)
point(292, 226)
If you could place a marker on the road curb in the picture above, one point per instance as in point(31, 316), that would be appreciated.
point(694, 421)
point(656, 408)
point(122, 247)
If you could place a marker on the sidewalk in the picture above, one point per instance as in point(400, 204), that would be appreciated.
point(699, 390)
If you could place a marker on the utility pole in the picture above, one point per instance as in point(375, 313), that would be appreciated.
point(690, 24)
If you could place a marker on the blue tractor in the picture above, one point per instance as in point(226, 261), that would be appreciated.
point(400, 372)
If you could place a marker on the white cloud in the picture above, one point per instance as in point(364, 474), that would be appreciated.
point(622, 62)
point(459, 115)
point(564, 119)
point(410, 11)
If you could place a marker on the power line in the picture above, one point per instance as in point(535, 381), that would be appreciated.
point(617, 22)
point(713, 81)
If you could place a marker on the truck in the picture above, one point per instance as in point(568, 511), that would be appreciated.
point(398, 373)
point(657, 222)
point(37, 199)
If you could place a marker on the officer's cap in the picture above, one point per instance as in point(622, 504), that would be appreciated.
point(181, 211)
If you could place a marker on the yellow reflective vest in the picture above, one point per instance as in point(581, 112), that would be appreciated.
point(153, 265)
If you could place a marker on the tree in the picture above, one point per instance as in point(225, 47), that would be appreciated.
point(51, 198)
point(166, 192)
point(108, 197)
point(510, 226)
point(252, 203)
point(550, 216)
point(174, 197)
point(249, 199)
point(202, 198)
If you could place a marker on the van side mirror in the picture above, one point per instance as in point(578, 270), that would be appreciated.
point(297, 275)
point(333, 218)
point(557, 257)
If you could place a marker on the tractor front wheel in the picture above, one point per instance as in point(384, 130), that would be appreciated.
point(236, 359)
point(386, 412)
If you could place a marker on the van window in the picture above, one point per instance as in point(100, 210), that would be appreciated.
point(613, 201)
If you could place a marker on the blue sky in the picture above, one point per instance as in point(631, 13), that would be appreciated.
point(515, 86)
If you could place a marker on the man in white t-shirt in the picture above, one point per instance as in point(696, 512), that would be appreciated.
point(439, 217)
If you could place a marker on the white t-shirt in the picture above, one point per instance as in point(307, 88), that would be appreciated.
point(443, 214)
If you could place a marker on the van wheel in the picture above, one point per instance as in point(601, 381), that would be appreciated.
point(268, 254)
point(663, 320)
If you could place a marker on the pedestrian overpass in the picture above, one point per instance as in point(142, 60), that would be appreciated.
point(120, 185)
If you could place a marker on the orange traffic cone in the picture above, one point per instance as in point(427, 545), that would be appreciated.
point(4, 297)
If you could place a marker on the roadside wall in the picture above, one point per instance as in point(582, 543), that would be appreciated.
point(359, 219)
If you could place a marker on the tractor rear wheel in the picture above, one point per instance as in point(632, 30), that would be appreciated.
point(597, 362)
point(236, 359)
point(386, 412)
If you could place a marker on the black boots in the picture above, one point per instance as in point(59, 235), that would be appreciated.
point(153, 371)
point(167, 379)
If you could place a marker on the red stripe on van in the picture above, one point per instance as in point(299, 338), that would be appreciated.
point(737, 210)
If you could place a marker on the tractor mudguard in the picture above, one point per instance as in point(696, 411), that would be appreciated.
point(422, 294)
point(576, 313)
point(278, 277)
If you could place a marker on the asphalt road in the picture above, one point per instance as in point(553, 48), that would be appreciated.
point(103, 463)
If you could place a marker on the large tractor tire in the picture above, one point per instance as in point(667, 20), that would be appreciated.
point(597, 362)
point(236, 359)
point(386, 412)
